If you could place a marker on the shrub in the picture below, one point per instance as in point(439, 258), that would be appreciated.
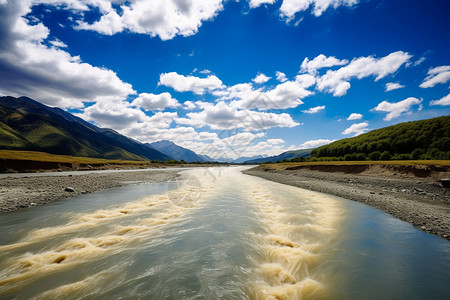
point(417, 153)
point(386, 155)
point(403, 156)
point(375, 155)
point(360, 156)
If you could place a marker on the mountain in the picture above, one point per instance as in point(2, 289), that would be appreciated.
point(285, 155)
point(244, 159)
point(206, 158)
point(29, 125)
point(176, 152)
point(424, 139)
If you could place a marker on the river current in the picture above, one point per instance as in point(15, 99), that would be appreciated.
point(215, 233)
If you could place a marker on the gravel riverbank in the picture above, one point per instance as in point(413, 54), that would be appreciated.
point(21, 192)
point(422, 202)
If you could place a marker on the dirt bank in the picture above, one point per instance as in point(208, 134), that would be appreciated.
point(21, 192)
point(420, 200)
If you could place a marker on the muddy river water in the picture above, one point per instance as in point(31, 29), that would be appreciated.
point(216, 233)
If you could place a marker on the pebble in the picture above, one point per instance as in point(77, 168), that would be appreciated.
point(69, 189)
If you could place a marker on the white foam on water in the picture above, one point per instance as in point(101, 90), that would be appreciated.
point(24, 268)
point(293, 243)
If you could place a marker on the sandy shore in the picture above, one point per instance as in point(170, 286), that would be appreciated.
point(422, 202)
point(21, 192)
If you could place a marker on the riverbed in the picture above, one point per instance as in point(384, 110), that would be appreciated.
point(216, 233)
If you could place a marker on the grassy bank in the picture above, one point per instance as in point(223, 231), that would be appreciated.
point(46, 157)
point(365, 162)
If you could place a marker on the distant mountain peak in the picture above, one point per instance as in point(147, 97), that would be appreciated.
point(55, 131)
point(175, 151)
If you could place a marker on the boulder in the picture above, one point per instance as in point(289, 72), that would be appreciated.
point(69, 189)
point(445, 182)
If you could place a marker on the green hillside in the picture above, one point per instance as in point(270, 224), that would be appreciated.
point(425, 139)
point(30, 126)
point(288, 155)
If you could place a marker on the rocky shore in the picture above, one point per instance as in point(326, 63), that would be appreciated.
point(26, 191)
point(423, 202)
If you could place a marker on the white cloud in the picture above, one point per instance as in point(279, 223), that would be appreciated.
point(193, 84)
point(48, 74)
point(155, 102)
point(444, 101)
point(290, 7)
point(358, 128)
point(396, 109)
point(224, 117)
point(205, 71)
point(58, 44)
point(355, 116)
point(113, 114)
point(281, 77)
point(261, 78)
point(390, 86)
point(315, 143)
point(163, 18)
point(285, 95)
point(257, 3)
point(314, 110)
point(419, 61)
point(435, 76)
point(319, 62)
point(336, 81)
point(189, 105)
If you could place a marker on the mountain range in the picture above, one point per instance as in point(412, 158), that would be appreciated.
point(306, 153)
point(177, 152)
point(29, 125)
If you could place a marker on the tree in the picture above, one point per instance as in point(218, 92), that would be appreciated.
point(375, 155)
point(385, 156)
point(417, 153)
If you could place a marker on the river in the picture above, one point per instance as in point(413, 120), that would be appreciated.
point(216, 233)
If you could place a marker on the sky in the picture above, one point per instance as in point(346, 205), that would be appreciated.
point(231, 78)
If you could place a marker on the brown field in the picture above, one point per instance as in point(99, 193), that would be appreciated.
point(46, 157)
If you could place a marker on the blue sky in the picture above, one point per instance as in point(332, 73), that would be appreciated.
point(229, 78)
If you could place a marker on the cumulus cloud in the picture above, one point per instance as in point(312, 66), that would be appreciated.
point(261, 78)
point(314, 110)
point(337, 81)
point(436, 76)
point(113, 114)
point(319, 62)
point(315, 143)
point(358, 128)
point(225, 117)
point(155, 102)
point(396, 109)
point(285, 95)
point(163, 18)
point(291, 7)
point(58, 44)
point(444, 101)
point(355, 116)
point(48, 74)
point(257, 3)
point(189, 105)
point(390, 86)
point(193, 84)
point(281, 77)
